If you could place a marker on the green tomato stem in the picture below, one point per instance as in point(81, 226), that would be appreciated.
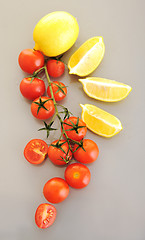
point(56, 109)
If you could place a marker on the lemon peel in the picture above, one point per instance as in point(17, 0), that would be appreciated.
point(55, 33)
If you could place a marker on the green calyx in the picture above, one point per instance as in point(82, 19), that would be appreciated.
point(48, 128)
point(41, 104)
point(60, 88)
point(73, 126)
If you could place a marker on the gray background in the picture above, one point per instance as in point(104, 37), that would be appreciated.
point(113, 205)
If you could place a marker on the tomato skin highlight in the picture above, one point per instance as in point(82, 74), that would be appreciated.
point(32, 90)
point(73, 134)
point(57, 95)
point(45, 215)
point(56, 190)
point(30, 60)
point(35, 151)
point(89, 155)
point(55, 153)
point(55, 68)
point(77, 175)
point(43, 113)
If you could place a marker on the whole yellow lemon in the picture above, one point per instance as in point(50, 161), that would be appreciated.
point(55, 33)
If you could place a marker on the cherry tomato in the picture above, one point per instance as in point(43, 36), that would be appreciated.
point(45, 215)
point(30, 60)
point(77, 175)
point(42, 108)
point(56, 190)
point(35, 151)
point(75, 128)
point(59, 90)
point(55, 68)
point(32, 89)
point(58, 152)
point(89, 155)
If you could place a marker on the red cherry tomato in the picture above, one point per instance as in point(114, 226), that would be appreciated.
point(30, 60)
point(58, 153)
point(42, 108)
point(55, 68)
point(35, 151)
point(59, 90)
point(89, 155)
point(45, 215)
point(56, 190)
point(75, 128)
point(77, 175)
point(32, 89)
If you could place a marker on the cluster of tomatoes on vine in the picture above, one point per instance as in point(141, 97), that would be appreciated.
point(71, 142)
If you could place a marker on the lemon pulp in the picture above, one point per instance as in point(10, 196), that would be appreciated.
point(87, 57)
point(100, 121)
point(105, 89)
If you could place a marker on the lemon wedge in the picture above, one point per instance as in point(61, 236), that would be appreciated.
point(105, 89)
point(100, 121)
point(55, 33)
point(87, 58)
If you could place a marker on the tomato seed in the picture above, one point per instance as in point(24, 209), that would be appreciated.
point(46, 221)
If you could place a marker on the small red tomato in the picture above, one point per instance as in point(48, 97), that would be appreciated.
point(55, 68)
point(35, 151)
point(75, 128)
point(89, 155)
point(32, 89)
point(56, 190)
point(30, 60)
point(59, 90)
point(42, 108)
point(59, 153)
point(45, 215)
point(77, 175)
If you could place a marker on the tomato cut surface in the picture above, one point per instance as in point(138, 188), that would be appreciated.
point(77, 175)
point(45, 215)
point(36, 151)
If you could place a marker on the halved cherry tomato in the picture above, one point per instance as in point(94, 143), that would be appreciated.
point(56, 190)
point(30, 60)
point(77, 175)
point(32, 89)
point(59, 90)
point(59, 153)
point(35, 151)
point(55, 68)
point(89, 154)
point(45, 215)
point(42, 108)
point(75, 128)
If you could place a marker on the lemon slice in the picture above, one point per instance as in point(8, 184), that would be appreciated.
point(104, 89)
point(87, 58)
point(99, 121)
